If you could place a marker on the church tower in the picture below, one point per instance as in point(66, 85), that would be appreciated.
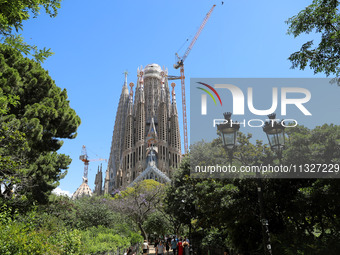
point(174, 136)
point(117, 139)
point(146, 137)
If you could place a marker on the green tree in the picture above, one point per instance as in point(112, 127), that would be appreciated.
point(94, 212)
point(14, 12)
point(12, 15)
point(43, 115)
point(139, 202)
point(157, 224)
point(216, 209)
point(302, 213)
point(13, 146)
point(180, 196)
point(321, 17)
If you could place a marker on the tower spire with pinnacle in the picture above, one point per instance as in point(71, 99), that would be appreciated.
point(117, 138)
point(173, 104)
point(130, 105)
point(126, 73)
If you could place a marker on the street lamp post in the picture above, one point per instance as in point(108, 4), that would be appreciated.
point(229, 134)
point(275, 131)
point(264, 222)
point(276, 138)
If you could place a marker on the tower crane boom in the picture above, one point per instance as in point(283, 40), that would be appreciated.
point(180, 64)
point(181, 60)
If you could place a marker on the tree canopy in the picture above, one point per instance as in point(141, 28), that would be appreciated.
point(12, 15)
point(139, 202)
point(302, 213)
point(14, 12)
point(41, 115)
point(321, 17)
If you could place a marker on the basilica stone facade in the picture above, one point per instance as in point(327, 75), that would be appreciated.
point(146, 137)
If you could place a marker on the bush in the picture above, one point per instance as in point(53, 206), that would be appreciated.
point(93, 212)
point(67, 241)
point(86, 226)
point(17, 238)
point(101, 239)
point(28, 235)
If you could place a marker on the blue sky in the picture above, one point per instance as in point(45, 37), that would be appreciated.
point(96, 41)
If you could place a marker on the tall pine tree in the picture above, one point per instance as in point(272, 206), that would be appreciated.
point(42, 116)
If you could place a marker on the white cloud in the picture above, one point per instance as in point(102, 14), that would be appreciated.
point(58, 191)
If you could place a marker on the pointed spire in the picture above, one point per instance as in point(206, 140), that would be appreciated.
point(173, 104)
point(173, 85)
point(162, 99)
point(130, 104)
point(131, 90)
point(125, 89)
point(126, 73)
point(141, 89)
point(151, 138)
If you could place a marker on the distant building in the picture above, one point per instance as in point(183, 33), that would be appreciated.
point(83, 190)
point(146, 140)
point(98, 189)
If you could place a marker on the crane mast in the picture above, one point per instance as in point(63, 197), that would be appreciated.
point(83, 157)
point(180, 64)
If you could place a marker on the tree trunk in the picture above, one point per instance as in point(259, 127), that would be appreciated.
point(144, 234)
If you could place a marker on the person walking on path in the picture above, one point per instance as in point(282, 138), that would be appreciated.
point(129, 251)
point(167, 246)
point(145, 247)
point(160, 248)
point(180, 247)
point(186, 247)
point(174, 245)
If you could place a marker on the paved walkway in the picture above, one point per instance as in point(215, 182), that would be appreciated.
point(152, 251)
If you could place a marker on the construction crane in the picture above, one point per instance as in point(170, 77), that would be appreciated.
point(180, 64)
point(83, 157)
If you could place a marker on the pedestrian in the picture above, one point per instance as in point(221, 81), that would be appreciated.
point(174, 245)
point(156, 243)
point(160, 248)
point(129, 251)
point(167, 246)
point(145, 247)
point(186, 247)
point(180, 247)
point(169, 240)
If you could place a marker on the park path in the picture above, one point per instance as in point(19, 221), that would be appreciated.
point(152, 251)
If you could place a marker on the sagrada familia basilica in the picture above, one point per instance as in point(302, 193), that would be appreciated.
point(146, 141)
